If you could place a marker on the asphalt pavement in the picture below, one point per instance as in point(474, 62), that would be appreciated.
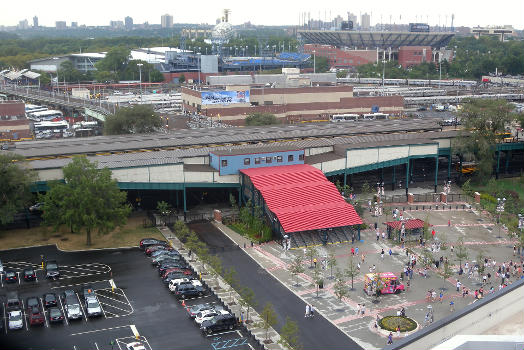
point(315, 333)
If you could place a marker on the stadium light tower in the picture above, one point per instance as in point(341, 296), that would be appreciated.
point(140, 77)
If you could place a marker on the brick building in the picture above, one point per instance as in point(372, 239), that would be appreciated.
point(339, 58)
point(290, 105)
point(413, 55)
point(13, 124)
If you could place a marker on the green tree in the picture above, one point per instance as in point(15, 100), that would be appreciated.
point(321, 64)
point(181, 231)
point(181, 78)
point(258, 119)
point(137, 119)
point(289, 335)
point(425, 229)
point(460, 251)
point(247, 300)
point(446, 272)
point(483, 120)
point(230, 278)
point(331, 262)
point(115, 61)
point(342, 73)
point(318, 278)
point(296, 267)
point(339, 288)
point(269, 318)
point(351, 271)
point(15, 191)
point(68, 72)
point(311, 253)
point(89, 199)
point(164, 209)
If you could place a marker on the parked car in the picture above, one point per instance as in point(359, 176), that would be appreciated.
point(164, 259)
point(208, 315)
point(172, 276)
point(36, 317)
point(178, 281)
point(146, 242)
point(93, 307)
point(169, 265)
point(219, 323)
point(68, 293)
point(185, 291)
point(10, 276)
point(149, 250)
point(164, 252)
point(52, 270)
point(186, 272)
point(31, 302)
point(55, 315)
point(29, 275)
point(135, 346)
point(37, 207)
point(15, 319)
point(13, 302)
point(195, 309)
point(72, 309)
point(87, 291)
point(49, 300)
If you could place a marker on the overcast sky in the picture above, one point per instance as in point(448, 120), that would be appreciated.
point(269, 12)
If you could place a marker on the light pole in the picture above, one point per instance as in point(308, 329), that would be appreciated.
point(383, 70)
point(500, 209)
point(140, 78)
point(314, 62)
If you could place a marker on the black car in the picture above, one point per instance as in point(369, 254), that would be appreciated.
point(51, 270)
point(219, 323)
point(185, 291)
point(165, 260)
point(146, 242)
point(169, 265)
point(172, 276)
point(50, 300)
point(29, 275)
point(55, 315)
point(68, 293)
point(10, 277)
point(32, 302)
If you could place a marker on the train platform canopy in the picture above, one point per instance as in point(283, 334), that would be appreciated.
point(302, 198)
point(410, 224)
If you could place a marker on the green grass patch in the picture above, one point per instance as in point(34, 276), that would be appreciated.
point(242, 230)
point(390, 323)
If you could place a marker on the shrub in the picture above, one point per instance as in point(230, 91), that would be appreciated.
point(390, 323)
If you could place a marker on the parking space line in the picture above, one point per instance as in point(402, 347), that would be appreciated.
point(24, 316)
point(215, 334)
point(102, 308)
point(2, 279)
point(113, 299)
point(96, 345)
point(100, 330)
point(81, 307)
point(18, 274)
point(63, 311)
point(115, 307)
point(78, 284)
point(43, 311)
point(5, 318)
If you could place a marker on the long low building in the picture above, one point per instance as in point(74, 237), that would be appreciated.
point(233, 104)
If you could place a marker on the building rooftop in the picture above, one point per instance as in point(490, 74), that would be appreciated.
point(252, 150)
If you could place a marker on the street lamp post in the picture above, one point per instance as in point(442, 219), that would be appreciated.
point(314, 62)
point(500, 209)
point(140, 78)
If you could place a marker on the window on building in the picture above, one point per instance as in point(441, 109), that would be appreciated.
point(269, 160)
point(279, 159)
point(224, 162)
point(300, 157)
point(257, 160)
point(247, 161)
point(290, 158)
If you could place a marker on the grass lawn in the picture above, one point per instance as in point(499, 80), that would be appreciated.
point(513, 184)
point(126, 236)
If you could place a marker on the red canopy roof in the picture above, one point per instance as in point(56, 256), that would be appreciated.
point(408, 224)
point(302, 198)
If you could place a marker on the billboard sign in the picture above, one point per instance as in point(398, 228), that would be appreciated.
point(224, 97)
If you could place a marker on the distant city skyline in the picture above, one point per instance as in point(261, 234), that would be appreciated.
point(100, 13)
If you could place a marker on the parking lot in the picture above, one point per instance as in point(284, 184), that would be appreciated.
point(138, 307)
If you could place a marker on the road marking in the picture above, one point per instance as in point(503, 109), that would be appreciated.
point(101, 307)
point(18, 274)
point(63, 311)
point(24, 318)
point(115, 307)
point(100, 330)
point(96, 345)
point(215, 334)
point(5, 318)
point(43, 308)
point(81, 307)
point(78, 284)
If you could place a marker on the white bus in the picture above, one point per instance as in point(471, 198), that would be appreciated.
point(55, 127)
point(45, 115)
point(375, 116)
point(344, 118)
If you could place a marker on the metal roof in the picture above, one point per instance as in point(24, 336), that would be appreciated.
point(250, 150)
point(175, 156)
point(210, 137)
point(371, 40)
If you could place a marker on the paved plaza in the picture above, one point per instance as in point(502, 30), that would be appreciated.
point(479, 234)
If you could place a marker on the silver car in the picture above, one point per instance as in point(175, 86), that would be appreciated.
point(93, 307)
point(15, 319)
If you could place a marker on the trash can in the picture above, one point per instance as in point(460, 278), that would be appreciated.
point(321, 285)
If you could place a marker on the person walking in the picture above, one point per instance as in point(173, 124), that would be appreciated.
point(315, 262)
point(312, 311)
point(382, 254)
point(458, 286)
point(390, 338)
point(378, 235)
point(451, 306)
point(308, 311)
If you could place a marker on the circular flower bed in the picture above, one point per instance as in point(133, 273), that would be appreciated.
point(390, 323)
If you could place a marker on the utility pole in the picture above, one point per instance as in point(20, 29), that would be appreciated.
point(140, 77)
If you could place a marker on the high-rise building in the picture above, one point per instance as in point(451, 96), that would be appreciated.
point(353, 18)
point(74, 24)
point(23, 24)
point(60, 24)
point(365, 23)
point(128, 21)
point(116, 24)
point(35, 21)
point(166, 21)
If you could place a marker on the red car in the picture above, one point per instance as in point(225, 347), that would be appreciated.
point(177, 269)
point(154, 248)
point(36, 317)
